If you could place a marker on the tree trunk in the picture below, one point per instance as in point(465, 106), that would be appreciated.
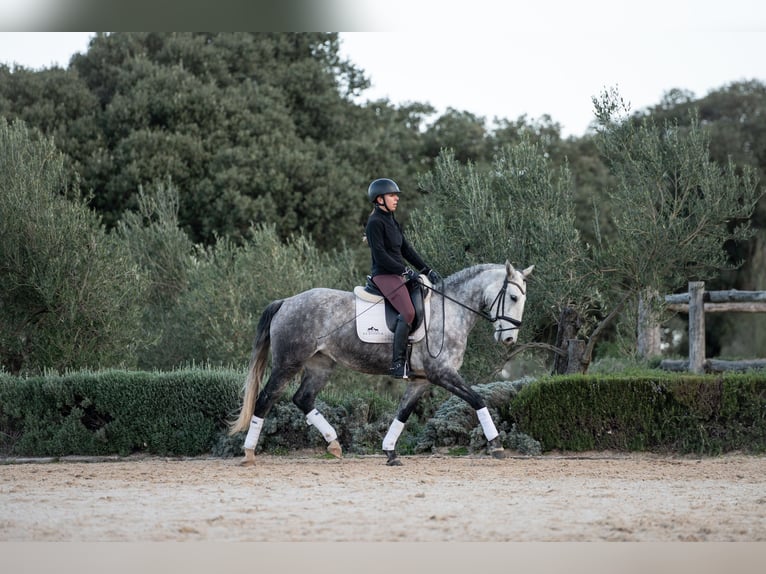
point(569, 324)
point(575, 357)
point(649, 333)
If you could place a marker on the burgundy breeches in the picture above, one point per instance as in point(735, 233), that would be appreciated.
point(395, 290)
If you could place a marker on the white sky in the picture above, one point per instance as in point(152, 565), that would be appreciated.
point(500, 58)
point(508, 58)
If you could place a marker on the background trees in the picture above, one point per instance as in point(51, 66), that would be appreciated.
point(70, 294)
point(205, 158)
point(672, 212)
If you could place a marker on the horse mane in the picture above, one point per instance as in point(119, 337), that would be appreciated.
point(468, 272)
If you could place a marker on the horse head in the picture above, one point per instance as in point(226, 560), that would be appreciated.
point(507, 307)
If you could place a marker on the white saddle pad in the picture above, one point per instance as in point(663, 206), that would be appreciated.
point(371, 324)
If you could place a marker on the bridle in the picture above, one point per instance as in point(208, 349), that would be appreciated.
point(499, 300)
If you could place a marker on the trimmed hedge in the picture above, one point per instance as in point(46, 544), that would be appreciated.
point(116, 412)
point(703, 414)
point(185, 413)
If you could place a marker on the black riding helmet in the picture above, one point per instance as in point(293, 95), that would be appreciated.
point(381, 186)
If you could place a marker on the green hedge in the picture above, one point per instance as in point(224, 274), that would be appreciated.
point(180, 413)
point(116, 412)
point(704, 414)
point(184, 413)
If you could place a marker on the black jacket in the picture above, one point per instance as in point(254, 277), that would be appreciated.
point(389, 249)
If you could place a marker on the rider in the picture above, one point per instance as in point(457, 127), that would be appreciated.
point(390, 250)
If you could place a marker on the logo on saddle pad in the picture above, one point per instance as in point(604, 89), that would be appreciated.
point(371, 323)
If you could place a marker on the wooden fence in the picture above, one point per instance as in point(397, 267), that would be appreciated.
point(696, 303)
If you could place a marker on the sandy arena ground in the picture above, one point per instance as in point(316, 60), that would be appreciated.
point(591, 497)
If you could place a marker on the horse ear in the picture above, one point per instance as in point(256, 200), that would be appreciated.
point(509, 268)
point(528, 271)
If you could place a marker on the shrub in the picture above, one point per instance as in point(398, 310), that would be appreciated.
point(455, 422)
point(184, 412)
point(686, 413)
point(122, 412)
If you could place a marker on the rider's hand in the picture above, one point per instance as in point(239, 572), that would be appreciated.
point(410, 274)
point(434, 277)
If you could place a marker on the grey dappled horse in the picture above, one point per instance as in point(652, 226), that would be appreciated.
point(314, 330)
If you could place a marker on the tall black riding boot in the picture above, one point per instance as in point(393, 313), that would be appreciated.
point(399, 368)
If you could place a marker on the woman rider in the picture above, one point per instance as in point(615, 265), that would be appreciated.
point(390, 252)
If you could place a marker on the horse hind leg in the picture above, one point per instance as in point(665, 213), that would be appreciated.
point(274, 388)
point(316, 374)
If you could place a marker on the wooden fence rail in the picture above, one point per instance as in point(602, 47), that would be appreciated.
point(696, 303)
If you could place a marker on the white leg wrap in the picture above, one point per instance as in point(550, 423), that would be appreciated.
point(389, 442)
point(316, 419)
point(486, 424)
point(253, 433)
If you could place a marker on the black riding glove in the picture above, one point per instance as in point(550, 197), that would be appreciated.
point(410, 274)
point(434, 277)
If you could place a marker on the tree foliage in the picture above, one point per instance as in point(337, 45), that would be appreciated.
point(519, 209)
point(672, 212)
point(678, 208)
point(69, 293)
point(227, 286)
point(251, 128)
point(197, 149)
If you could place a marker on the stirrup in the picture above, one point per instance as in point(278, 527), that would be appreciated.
point(398, 371)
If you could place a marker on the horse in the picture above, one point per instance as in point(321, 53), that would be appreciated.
point(315, 330)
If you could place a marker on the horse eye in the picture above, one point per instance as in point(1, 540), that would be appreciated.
point(514, 298)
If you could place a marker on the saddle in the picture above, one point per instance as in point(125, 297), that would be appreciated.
point(376, 317)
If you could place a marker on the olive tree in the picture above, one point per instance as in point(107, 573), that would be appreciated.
point(519, 209)
point(70, 294)
point(672, 210)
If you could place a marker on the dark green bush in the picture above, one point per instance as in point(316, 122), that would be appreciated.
point(185, 412)
point(122, 412)
point(704, 414)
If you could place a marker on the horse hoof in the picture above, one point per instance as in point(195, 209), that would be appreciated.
point(249, 459)
point(393, 458)
point(334, 449)
point(497, 453)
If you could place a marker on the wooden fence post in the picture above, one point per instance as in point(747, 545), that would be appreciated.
point(694, 304)
point(696, 326)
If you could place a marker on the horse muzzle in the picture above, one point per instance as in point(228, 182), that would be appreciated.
point(507, 335)
point(507, 338)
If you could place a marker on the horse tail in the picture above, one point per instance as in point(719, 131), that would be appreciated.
point(258, 359)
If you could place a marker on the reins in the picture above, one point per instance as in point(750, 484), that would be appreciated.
point(499, 299)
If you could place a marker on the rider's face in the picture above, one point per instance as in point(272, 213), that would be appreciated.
point(390, 201)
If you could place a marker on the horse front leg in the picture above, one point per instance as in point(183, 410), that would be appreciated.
point(412, 394)
point(452, 381)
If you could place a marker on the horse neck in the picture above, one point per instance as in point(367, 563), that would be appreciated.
point(470, 285)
